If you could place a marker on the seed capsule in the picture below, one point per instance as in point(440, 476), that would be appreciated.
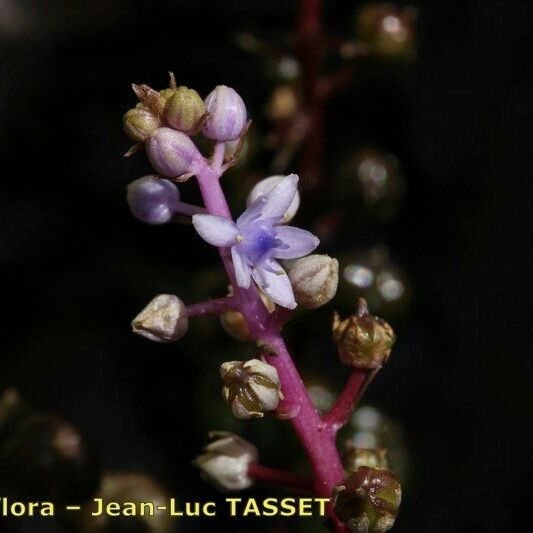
point(185, 110)
point(314, 280)
point(368, 500)
point(250, 388)
point(164, 319)
point(225, 461)
point(363, 340)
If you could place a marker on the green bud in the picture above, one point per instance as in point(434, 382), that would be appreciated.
point(165, 94)
point(368, 500)
point(363, 340)
point(185, 110)
point(140, 123)
point(353, 458)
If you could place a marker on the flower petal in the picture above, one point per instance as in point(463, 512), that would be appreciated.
point(280, 198)
point(253, 212)
point(243, 271)
point(274, 282)
point(218, 231)
point(296, 242)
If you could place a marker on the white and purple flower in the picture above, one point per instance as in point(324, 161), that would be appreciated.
point(258, 238)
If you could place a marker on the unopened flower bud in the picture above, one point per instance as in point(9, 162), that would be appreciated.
point(263, 187)
point(47, 458)
point(353, 458)
point(314, 280)
point(227, 114)
point(250, 388)
point(127, 488)
point(234, 323)
point(283, 103)
point(368, 500)
point(13, 409)
point(171, 152)
point(389, 30)
point(363, 340)
point(140, 124)
point(185, 110)
point(153, 200)
point(225, 461)
point(164, 319)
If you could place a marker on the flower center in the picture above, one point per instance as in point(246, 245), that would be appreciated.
point(257, 242)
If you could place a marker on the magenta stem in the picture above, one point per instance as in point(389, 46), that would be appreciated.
point(342, 410)
point(282, 478)
point(211, 307)
point(318, 443)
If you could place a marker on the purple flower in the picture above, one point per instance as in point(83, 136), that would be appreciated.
point(152, 200)
point(257, 239)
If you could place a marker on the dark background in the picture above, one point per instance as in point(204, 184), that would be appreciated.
point(76, 267)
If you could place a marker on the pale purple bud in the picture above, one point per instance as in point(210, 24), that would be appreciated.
point(227, 114)
point(153, 200)
point(171, 152)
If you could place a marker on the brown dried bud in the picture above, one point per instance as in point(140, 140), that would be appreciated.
point(164, 319)
point(363, 340)
point(152, 99)
point(250, 388)
point(185, 110)
point(368, 500)
point(353, 458)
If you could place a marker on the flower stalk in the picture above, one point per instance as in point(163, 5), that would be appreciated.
point(212, 307)
point(274, 476)
point(339, 415)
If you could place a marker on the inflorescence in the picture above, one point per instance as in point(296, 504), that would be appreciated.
point(271, 273)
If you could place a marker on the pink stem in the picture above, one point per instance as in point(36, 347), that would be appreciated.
point(279, 477)
point(343, 408)
point(297, 406)
point(183, 208)
point(211, 307)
